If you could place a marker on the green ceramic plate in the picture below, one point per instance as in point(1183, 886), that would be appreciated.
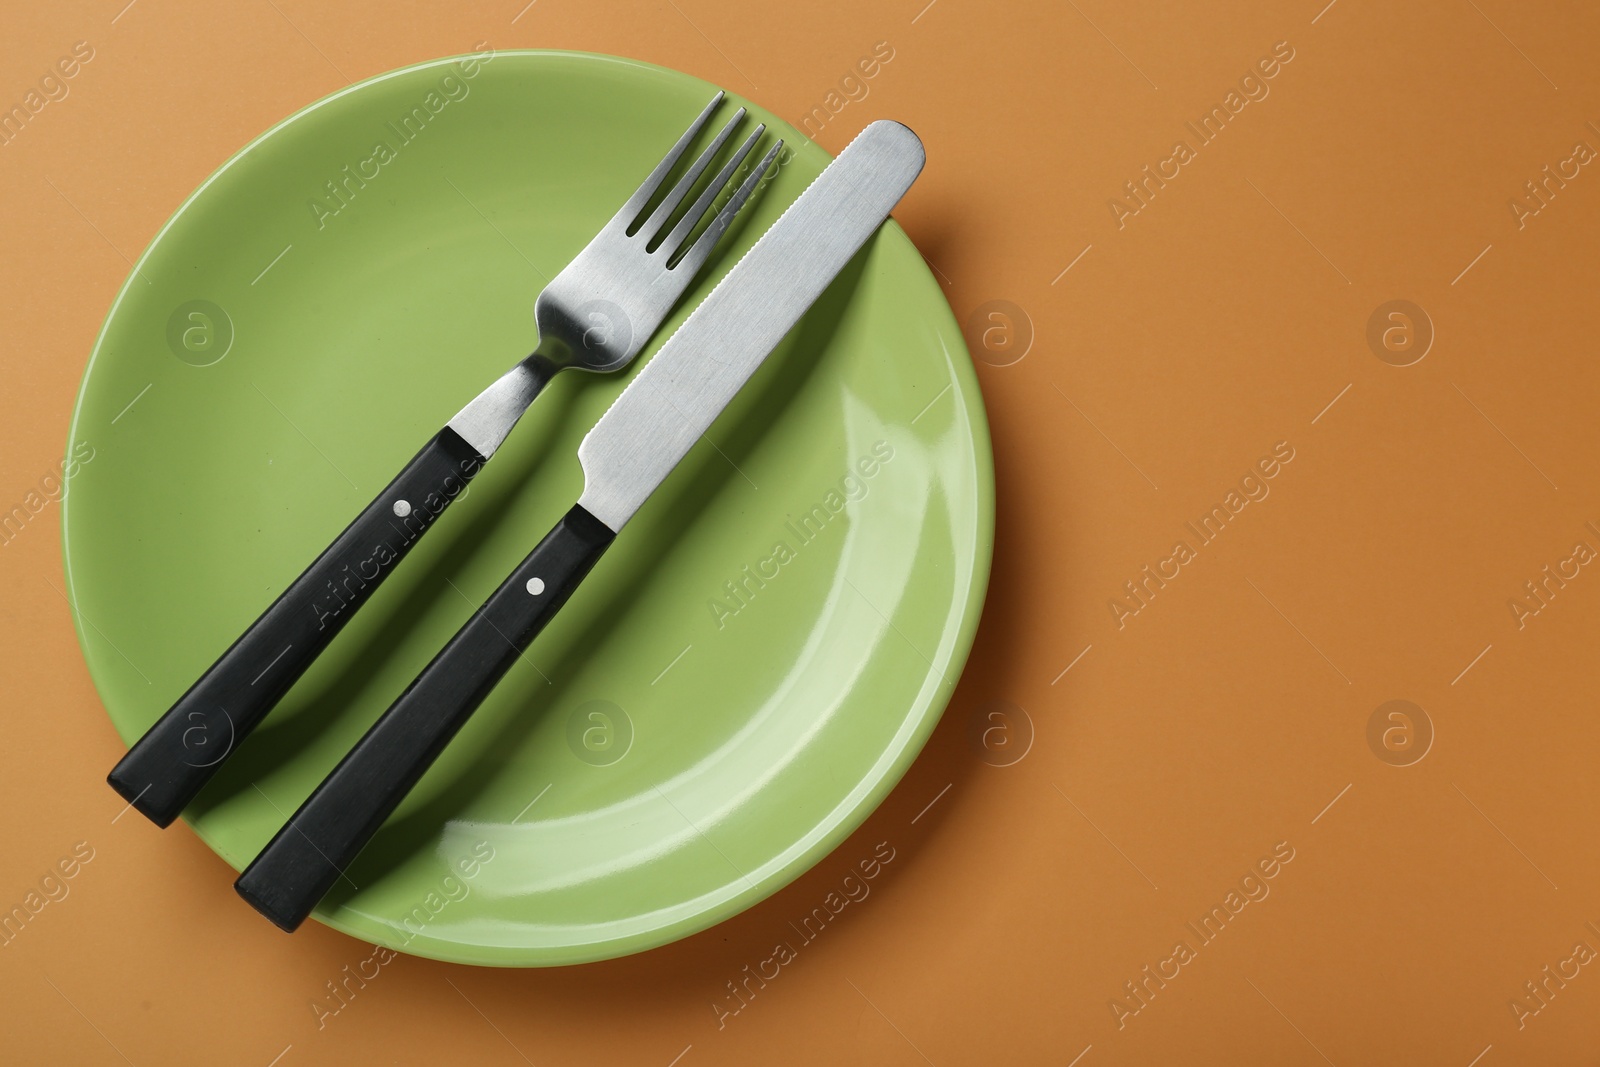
point(739, 683)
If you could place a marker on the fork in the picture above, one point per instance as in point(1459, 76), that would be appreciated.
point(596, 315)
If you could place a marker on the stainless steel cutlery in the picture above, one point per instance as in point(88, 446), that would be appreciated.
point(596, 315)
point(625, 458)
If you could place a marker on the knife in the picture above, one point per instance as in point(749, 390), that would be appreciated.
point(632, 449)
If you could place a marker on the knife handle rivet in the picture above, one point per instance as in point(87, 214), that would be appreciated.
point(535, 586)
point(402, 508)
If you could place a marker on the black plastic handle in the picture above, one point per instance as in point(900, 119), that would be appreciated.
point(313, 849)
point(176, 757)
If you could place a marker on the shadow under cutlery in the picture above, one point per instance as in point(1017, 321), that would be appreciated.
point(417, 828)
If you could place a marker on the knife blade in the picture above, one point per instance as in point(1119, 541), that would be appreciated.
point(626, 455)
point(651, 426)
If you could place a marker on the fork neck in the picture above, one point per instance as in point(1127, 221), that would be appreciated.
point(489, 416)
point(550, 355)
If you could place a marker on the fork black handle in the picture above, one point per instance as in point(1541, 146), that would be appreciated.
point(313, 849)
point(176, 757)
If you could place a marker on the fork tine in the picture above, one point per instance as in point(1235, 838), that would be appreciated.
point(664, 210)
point(677, 240)
point(697, 254)
point(631, 211)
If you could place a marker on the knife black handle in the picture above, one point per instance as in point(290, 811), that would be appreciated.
point(313, 849)
point(176, 757)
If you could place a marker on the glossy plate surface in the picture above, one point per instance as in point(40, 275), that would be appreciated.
point(742, 679)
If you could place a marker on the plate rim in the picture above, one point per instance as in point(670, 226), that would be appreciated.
point(964, 375)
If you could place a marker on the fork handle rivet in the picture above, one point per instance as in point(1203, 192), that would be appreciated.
point(402, 508)
point(535, 586)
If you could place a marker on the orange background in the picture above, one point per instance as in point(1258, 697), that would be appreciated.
point(1185, 742)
